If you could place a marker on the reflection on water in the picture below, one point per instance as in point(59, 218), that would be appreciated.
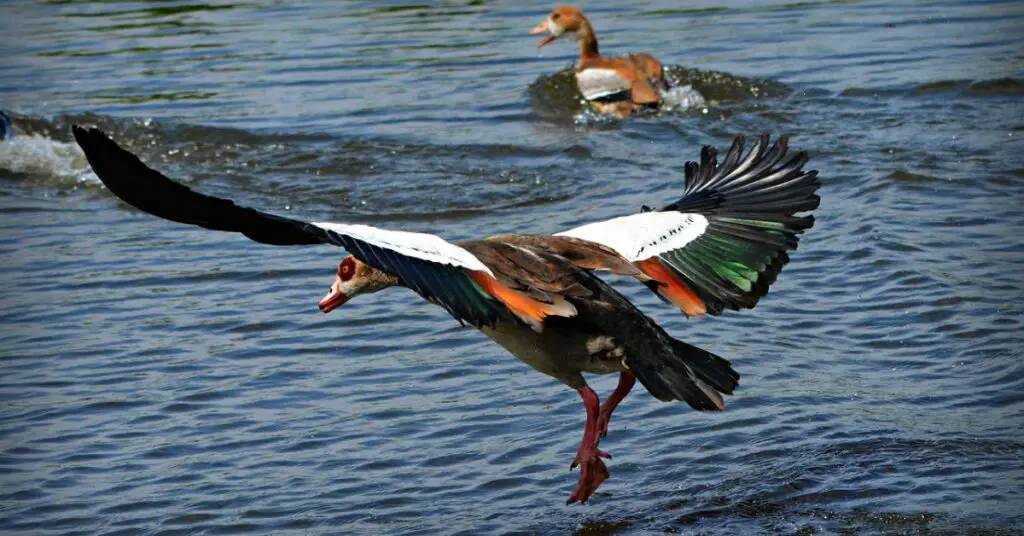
point(157, 378)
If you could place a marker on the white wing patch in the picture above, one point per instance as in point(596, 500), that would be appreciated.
point(645, 235)
point(596, 83)
point(421, 246)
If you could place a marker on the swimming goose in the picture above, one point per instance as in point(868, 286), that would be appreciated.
point(612, 85)
point(718, 247)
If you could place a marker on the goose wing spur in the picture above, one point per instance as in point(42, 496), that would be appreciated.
point(723, 243)
point(441, 272)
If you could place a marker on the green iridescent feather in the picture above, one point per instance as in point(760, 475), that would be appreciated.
point(750, 203)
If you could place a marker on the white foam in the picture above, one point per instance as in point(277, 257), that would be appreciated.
point(682, 98)
point(41, 156)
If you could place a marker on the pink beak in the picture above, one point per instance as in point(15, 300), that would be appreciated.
point(335, 298)
point(539, 29)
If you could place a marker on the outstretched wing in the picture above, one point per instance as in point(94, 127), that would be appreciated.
point(148, 190)
point(725, 241)
point(441, 272)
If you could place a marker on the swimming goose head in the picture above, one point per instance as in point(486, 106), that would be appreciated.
point(563, 20)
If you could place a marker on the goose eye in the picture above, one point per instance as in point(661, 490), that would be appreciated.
point(555, 16)
point(347, 269)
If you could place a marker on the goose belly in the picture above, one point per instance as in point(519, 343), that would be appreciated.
point(560, 354)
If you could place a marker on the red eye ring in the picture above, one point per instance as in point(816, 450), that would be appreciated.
point(347, 269)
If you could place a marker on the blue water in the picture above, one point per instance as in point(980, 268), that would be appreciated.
point(159, 379)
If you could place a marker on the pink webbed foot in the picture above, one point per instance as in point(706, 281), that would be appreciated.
point(593, 472)
point(582, 457)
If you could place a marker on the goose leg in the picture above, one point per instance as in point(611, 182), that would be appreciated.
point(593, 471)
point(626, 382)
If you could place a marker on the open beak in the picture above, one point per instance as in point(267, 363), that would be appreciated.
point(541, 28)
point(335, 298)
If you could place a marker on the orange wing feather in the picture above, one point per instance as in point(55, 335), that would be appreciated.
point(673, 289)
point(526, 308)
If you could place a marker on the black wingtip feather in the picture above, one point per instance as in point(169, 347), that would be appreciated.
point(127, 177)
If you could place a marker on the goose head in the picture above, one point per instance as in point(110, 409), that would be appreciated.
point(353, 278)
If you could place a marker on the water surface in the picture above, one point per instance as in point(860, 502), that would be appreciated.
point(163, 379)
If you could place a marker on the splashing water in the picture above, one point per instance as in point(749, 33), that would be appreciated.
point(679, 98)
point(674, 99)
point(41, 156)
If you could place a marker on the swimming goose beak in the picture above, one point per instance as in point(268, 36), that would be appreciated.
point(541, 28)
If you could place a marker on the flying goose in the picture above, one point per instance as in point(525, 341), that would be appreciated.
point(718, 247)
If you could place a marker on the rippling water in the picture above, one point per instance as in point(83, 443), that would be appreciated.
point(163, 379)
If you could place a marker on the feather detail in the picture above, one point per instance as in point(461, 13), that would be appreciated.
point(421, 246)
point(672, 288)
point(725, 240)
point(750, 205)
point(641, 236)
point(600, 83)
point(527, 309)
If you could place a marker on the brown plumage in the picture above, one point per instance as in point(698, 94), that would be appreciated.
point(613, 85)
